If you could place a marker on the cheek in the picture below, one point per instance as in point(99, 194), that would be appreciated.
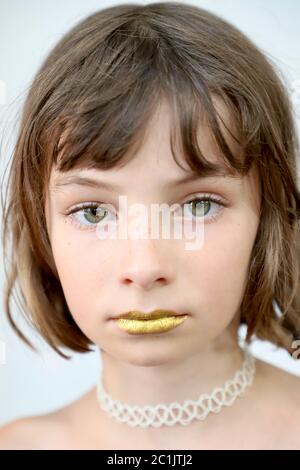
point(83, 263)
point(219, 271)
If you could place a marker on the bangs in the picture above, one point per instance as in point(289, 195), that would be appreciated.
point(104, 118)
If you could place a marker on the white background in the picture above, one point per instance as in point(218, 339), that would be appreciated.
point(30, 383)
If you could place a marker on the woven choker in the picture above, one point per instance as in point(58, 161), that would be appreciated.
point(180, 413)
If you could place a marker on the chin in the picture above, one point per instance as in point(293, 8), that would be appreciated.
point(147, 357)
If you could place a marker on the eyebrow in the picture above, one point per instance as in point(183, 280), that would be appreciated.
point(77, 180)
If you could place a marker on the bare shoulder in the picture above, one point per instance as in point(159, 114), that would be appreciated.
point(61, 429)
point(32, 433)
point(281, 390)
point(48, 431)
point(18, 434)
point(280, 381)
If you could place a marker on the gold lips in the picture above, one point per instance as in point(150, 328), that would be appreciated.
point(157, 321)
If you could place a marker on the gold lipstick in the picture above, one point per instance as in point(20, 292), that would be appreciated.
point(157, 321)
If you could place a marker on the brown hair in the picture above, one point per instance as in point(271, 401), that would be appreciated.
point(102, 83)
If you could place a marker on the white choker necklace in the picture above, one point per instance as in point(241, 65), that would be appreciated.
point(173, 413)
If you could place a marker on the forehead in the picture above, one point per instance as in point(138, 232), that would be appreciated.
point(154, 155)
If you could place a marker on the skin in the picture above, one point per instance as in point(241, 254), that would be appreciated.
point(121, 275)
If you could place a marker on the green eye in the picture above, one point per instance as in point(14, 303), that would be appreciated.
point(88, 215)
point(94, 215)
point(200, 207)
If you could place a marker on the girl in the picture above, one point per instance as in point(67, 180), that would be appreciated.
point(157, 104)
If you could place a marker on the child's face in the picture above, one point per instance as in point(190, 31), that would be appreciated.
point(103, 278)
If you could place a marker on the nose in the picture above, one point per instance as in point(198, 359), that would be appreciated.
point(144, 268)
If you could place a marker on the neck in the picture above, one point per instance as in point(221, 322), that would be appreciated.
point(168, 381)
point(165, 382)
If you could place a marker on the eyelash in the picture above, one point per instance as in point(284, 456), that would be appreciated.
point(92, 205)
